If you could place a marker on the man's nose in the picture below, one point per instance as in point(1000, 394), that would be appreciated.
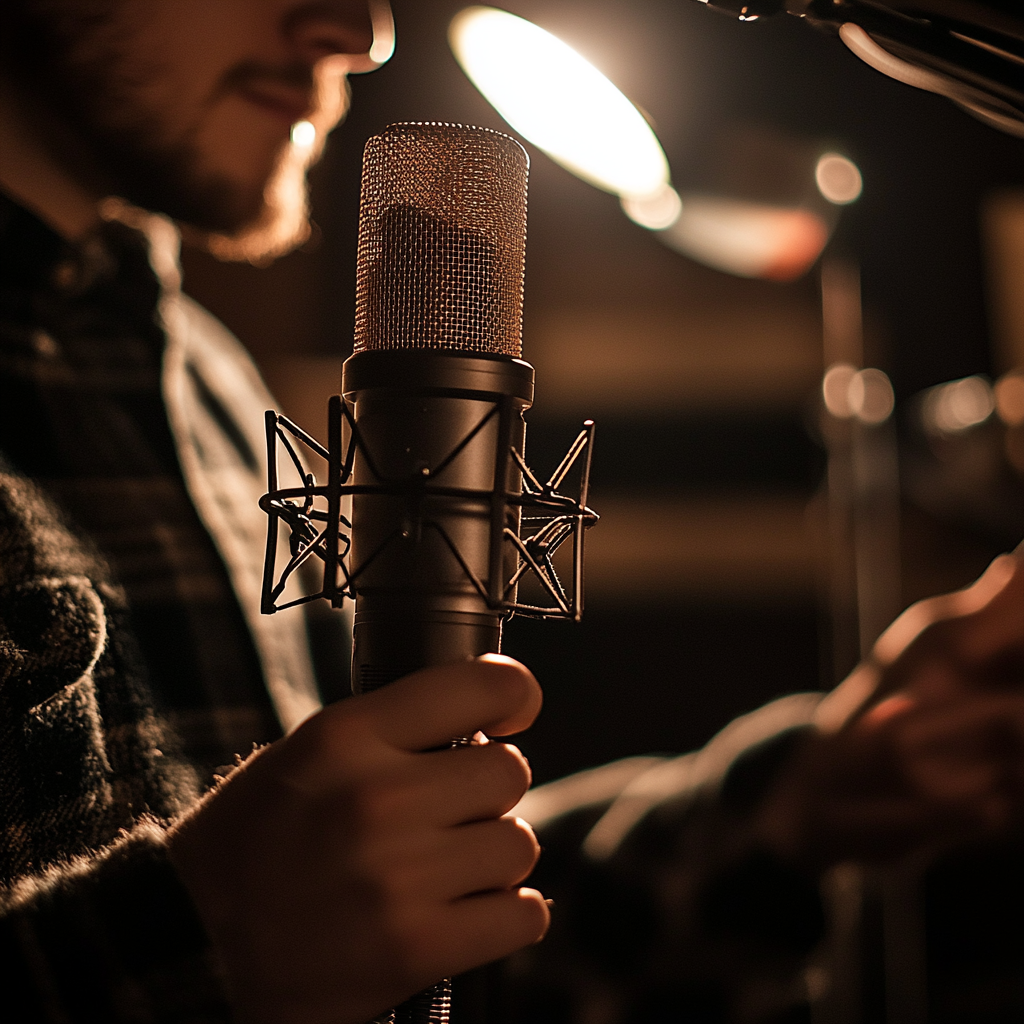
point(361, 30)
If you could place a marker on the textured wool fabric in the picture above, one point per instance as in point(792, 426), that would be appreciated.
point(94, 924)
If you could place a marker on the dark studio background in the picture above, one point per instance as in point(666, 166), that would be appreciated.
point(705, 574)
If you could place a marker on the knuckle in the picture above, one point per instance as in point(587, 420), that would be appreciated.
point(375, 804)
point(339, 738)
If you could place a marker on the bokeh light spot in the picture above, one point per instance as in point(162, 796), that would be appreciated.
point(303, 134)
point(958, 406)
point(839, 179)
point(1009, 396)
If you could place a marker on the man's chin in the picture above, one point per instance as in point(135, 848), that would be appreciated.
point(279, 225)
point(260, 243)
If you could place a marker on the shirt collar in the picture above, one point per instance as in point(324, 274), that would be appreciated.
point(131, 258)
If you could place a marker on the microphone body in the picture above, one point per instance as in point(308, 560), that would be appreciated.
point(436, 391)
point(433, 491)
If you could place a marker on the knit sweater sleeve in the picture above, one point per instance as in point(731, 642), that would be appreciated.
point(94, 923)
point(111, 937)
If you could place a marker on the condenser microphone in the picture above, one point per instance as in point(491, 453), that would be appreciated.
point(437, 392)
point(427, 440)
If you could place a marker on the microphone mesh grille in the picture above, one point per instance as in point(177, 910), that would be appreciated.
point(442, 240)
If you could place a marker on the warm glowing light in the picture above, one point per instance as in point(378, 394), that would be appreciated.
point(959, 405)
point(558, 101)
point(871, 396)
point(303, 134)
point(1009, 396)
point(383, 32)
point(850, 393)
point(748, 239)
point(835, 389)
point(657, 211)
point(839, 179)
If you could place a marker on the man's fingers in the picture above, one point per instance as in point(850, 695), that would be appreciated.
point(966, 634)
point(924, 614)
point(480, 929)
point(492, 694)
point(999, 632)
point(460, 785)
point(455, 863)
point(486, 856)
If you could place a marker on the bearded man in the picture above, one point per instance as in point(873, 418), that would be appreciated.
point(340, 869)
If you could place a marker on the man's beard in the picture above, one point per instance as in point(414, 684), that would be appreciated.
point(282, 220)
point(70, 59)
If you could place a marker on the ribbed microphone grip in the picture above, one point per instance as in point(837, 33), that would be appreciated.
point(442, 240)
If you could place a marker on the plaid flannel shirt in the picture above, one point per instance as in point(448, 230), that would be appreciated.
point(133, 657)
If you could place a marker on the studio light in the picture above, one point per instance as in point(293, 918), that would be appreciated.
point(559, 101)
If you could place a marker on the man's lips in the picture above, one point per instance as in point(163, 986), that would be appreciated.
point(290, 103)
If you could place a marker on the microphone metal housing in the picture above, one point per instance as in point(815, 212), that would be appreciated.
point(479, 501)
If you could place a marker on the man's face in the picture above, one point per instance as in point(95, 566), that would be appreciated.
point(186, 106)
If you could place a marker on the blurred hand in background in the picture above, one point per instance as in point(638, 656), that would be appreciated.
point(923, 744)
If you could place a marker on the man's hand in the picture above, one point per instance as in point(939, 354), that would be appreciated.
point(357, 861)
point(923, 745)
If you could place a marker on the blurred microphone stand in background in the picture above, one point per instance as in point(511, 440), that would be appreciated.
point(875, 966)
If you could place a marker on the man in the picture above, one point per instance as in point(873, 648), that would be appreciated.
point(341, 868)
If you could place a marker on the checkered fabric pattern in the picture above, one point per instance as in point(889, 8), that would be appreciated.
point(82, 413)
point(133, 658)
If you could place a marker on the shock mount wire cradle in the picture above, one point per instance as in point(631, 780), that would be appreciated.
point(318, 528)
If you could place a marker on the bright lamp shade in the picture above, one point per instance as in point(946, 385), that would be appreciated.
point(558, 101)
